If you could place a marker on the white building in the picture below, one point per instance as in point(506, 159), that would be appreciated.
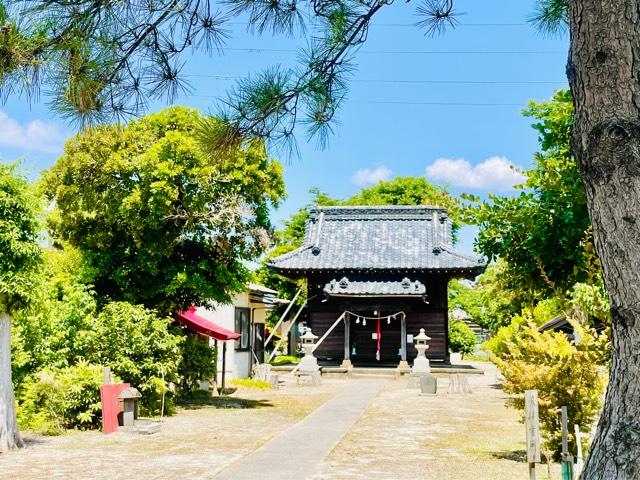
point(245, 316)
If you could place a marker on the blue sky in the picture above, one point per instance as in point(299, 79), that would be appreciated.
point(447, 107)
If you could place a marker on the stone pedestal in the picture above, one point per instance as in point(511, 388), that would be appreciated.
point(308, 364)
point(404, 368)
point(308, 378)
point(415, 378)
point(346, 363)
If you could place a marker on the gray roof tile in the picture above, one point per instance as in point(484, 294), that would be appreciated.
point(377, 238)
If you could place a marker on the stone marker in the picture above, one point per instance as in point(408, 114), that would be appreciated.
point(428, 385)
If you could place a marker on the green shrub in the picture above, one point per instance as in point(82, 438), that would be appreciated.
point(52, 402)
point(461, 338)
point(563, 372)
point(498, 344)
point(139, 346)
point(198, 362)
point(285, 360)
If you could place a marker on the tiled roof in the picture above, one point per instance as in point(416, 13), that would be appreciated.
point(377, 238)
point(405, 287)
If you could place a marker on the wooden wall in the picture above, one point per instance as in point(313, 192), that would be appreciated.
point(431, 316)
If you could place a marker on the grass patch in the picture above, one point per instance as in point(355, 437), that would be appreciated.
point(251, 383)
point(285, 360)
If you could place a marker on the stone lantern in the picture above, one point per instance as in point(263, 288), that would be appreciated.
point(421, 363)
point(308, 362)
point(308, 367)
point(129, 398)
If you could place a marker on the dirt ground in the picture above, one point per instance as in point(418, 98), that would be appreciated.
point(401, 435)
point(196, 443)
point(404, 435)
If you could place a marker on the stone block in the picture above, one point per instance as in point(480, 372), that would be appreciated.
point(428, 385)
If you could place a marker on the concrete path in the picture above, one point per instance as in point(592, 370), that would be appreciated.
point(299, 450)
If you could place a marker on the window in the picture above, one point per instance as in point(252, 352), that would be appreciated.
point(242, 327)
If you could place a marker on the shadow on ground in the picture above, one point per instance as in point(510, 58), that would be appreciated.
point(32, 441)
point(203, 399)
point(513, 455)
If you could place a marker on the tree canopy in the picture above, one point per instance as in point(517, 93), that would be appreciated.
point(158, 219)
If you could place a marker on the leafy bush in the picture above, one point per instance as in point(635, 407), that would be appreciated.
point(139, 347)
point(498, 344)
point(52, 402)
point(564, 373)
point(198, 362)
point(461, 338)
point(45, 333)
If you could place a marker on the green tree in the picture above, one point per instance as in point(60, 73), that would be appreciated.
point(158, 219)
point(19, 258)
point(541, 234)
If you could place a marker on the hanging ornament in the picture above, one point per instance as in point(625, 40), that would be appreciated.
point(358, 320)
point(388, 320)
point(378, 337)
point(364, 322)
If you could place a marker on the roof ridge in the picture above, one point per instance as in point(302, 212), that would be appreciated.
point(466, 256)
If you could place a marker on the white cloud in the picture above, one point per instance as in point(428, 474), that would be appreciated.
point(366, 176)
point(32, 136)
point(495, 173)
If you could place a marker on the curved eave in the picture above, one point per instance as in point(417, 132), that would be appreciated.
point(302, 272)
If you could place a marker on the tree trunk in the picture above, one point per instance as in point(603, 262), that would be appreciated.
point(604, 74)
point(9, 435)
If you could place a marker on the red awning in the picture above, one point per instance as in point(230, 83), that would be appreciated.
point(195, 322)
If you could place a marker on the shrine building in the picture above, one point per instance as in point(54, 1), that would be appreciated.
point(376, 275)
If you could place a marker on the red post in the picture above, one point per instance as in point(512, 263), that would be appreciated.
point(111, 405)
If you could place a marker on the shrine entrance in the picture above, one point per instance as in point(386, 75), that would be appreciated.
point(375, 338)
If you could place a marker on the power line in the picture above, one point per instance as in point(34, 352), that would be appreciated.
point(448, 104)
point(401, 102)
point(412, 52)
point(506, 24)
point(391, 81)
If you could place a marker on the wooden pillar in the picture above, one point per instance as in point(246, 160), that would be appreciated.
point(347, 338)
point(403, 338)
point(346, 362)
